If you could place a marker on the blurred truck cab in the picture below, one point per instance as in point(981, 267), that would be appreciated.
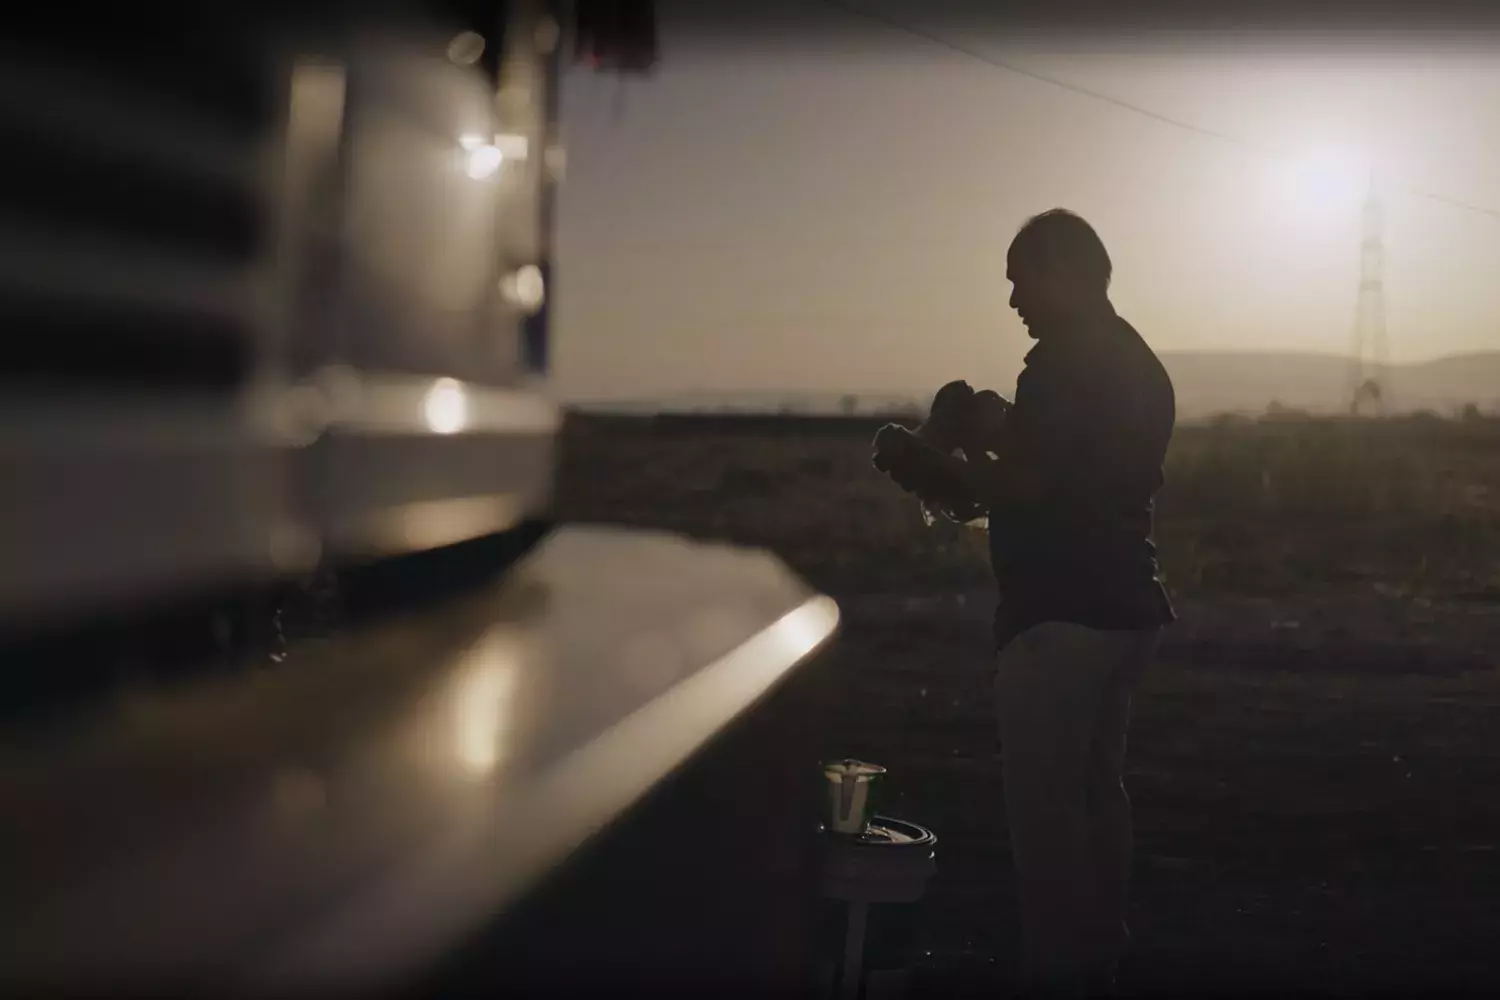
point(276, 281)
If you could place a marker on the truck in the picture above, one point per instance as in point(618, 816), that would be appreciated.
point(277, 282)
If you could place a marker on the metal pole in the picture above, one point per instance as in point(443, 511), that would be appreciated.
point(854, 949)
point(1369, 366)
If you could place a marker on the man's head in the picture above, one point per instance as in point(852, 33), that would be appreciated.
point(1058, 268)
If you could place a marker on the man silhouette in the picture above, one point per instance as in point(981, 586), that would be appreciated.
point(1070, 493)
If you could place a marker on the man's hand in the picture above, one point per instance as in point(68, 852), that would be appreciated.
point(956, 392)
point(984, 431)
point(921, 463)
point(948, 415)
point(921, 469)
point(900, 453)
point(893, 447)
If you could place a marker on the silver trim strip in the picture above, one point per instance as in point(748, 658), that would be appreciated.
point(426, 525)
point(407, 404)
point(405, 921)
point(286, 414)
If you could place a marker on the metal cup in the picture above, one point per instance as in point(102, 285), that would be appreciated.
point(851, 798)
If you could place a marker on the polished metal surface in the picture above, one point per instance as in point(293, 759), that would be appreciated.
point(344, 820)
point(110, 502)
point(255, 299)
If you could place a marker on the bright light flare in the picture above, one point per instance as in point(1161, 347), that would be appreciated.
point(1327, 177)
point(524, 288)
point(483, 160)
point(484, 706)
point(483, 156)
point(446, 407)
point(465, 48)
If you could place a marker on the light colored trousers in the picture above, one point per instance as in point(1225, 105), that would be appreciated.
point(1063, 697)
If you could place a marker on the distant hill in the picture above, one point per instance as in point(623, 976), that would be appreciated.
point(799, 403)
point(1208, 383)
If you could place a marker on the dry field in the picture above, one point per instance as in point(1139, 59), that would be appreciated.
point(1315, 759)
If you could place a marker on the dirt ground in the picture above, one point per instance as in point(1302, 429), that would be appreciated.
point(1314, 773)
point(1305, 827)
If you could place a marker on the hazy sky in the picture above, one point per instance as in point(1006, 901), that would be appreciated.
point(832, 214)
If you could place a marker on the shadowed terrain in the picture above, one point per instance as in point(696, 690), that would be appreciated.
point(1314, 758)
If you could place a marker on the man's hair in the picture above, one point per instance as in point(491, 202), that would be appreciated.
point(1062, 239)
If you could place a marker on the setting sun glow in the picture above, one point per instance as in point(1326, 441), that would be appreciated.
point(1327, 177)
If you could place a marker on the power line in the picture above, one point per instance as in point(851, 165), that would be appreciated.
point(1451, 202)
point(902, 26)
point(1012, 68)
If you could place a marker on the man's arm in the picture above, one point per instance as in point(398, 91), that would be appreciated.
point(998, 438)
point(1039, 450)
point(977, 480)
point(954, 483)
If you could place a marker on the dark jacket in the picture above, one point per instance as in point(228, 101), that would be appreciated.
point(1094, 412)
